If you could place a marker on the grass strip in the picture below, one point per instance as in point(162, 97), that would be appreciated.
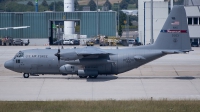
point(100, 106)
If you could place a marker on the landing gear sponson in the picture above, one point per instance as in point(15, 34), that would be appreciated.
point(26, 75)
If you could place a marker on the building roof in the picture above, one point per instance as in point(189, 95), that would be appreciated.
point(192, 2)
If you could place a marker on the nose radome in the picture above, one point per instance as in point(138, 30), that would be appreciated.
point(9, 65)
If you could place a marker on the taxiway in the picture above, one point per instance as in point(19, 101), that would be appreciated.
point(170, 77)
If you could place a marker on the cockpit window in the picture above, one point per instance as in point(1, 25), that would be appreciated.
point(19, 54)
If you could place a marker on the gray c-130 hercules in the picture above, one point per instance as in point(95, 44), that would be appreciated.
point(92, 61)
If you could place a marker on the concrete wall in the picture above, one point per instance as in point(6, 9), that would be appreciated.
point(39, 42)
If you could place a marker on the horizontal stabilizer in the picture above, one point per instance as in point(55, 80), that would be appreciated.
point(175, 52)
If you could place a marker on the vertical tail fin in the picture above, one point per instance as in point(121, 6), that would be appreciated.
point(174, 34)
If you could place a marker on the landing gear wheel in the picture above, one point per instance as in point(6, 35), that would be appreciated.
point(26, 75)
point(83, 77)
point(93, 76)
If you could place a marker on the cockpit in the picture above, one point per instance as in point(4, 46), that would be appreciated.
point(20, 54)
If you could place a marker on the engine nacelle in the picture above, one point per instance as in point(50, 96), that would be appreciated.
point(69, 56)
point(69, 69)
point(87, 72)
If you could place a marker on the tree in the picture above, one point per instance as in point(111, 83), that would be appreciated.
point(2, 0)
point(30, 3)
point(120, 30)
point(60, 3)
point(123, 4)
point(59, 6)
point(136, 3)
point(92, 5)
point(51, 6)
point(108, 4)
point(76, 5)
point(133, 18)
point(44, 3)
point(122, 18)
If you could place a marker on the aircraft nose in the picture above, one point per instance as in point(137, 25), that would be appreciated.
point(9, 65)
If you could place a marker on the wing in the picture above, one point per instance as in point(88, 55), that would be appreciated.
point(92, 52)
point(88, 52)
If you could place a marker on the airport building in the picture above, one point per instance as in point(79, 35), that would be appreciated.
point(192, 8)
point(42, 23)
point(160, 14)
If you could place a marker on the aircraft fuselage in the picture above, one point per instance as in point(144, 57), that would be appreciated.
point(44, 61)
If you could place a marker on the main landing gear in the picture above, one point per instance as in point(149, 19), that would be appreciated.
point(83, 77)
point(26, 75)
point(91, 77)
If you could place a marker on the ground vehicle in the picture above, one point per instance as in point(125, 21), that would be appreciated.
point(7, 41)
point(137, 43)
point(68, 42)
point(131, 41)
point(76, 42)
point(26, 42)
point(89, 43)
point(58, 42)
point(17, 42)
point(194, 44)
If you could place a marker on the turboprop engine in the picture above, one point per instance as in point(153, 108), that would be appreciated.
point(69, 69)
point(67, 56)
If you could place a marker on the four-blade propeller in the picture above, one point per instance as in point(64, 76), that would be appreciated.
point(58, 54)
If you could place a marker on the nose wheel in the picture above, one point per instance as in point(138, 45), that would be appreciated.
point(93, 76)
point(82, 77)
point(26, 75)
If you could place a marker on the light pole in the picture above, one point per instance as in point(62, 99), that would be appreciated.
point(152, 40)
point(118, 17)
point(97, 19)
point(54, 6)
point(144, 23)
point(127, 25)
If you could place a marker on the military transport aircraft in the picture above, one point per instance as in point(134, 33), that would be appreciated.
point(92, 61)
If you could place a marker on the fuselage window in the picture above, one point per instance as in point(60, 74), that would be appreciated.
point(17, 61)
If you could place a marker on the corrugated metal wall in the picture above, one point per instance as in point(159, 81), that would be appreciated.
point(40, 25)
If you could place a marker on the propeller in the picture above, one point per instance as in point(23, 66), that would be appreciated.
point(58, 55)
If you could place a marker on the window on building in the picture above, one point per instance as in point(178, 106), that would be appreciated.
point(195, 21)
point(189, 21)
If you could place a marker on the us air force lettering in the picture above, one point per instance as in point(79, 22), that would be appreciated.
point(92, 61)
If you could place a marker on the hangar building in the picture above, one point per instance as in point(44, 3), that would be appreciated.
point(41, 23)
